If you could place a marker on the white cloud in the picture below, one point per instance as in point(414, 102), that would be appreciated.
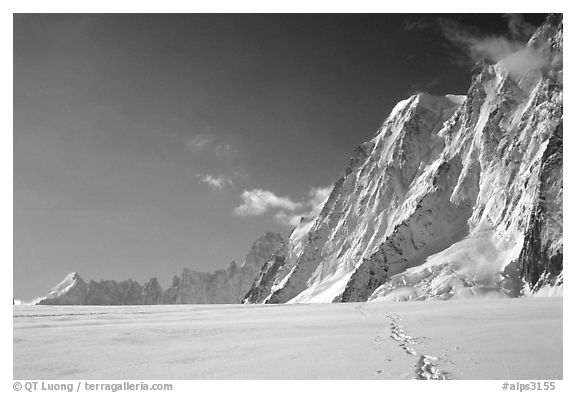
point(492, 47)
point(217, 182)
point(290, 220)
point(524, 61)
point(257, 202)
point(288, 212)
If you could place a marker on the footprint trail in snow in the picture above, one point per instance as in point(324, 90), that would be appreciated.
point(426, 365)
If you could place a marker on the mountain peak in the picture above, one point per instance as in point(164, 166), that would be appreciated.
point(442, 201)
point(70, 291)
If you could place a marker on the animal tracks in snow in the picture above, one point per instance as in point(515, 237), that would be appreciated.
point(426, 366)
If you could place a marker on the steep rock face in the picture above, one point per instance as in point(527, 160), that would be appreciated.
point(224, 286)
point(455, 196)
point(71, 291)
point(263, 282)
point(541, 256)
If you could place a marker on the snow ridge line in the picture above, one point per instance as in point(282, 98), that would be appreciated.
point(426, 365)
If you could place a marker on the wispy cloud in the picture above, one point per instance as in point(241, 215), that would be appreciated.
point(488, 47)
point(217, 182)
point(257, 202)
point(509, 49)
point(524, 61)
point(206, 143)
point(518, 27)
point(475, 47)
point(199, 142)
point(420, 23)
point(287, 211)
point(473, 44)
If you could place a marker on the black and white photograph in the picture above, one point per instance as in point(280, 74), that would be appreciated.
point(287, 196)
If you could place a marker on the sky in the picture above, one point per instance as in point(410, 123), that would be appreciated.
point(144, 144)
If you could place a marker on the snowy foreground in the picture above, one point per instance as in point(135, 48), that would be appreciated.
point(472, 339)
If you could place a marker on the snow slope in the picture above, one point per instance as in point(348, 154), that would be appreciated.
point(460, 339)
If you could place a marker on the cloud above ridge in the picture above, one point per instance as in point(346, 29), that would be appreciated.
point(474, 44)
point(489, 47)
point(257, 202)
point(287, 211)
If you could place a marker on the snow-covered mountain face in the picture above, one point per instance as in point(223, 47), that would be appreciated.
point(222, 286)
point(455, 196)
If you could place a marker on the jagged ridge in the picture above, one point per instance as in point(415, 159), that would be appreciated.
point(222, 286)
